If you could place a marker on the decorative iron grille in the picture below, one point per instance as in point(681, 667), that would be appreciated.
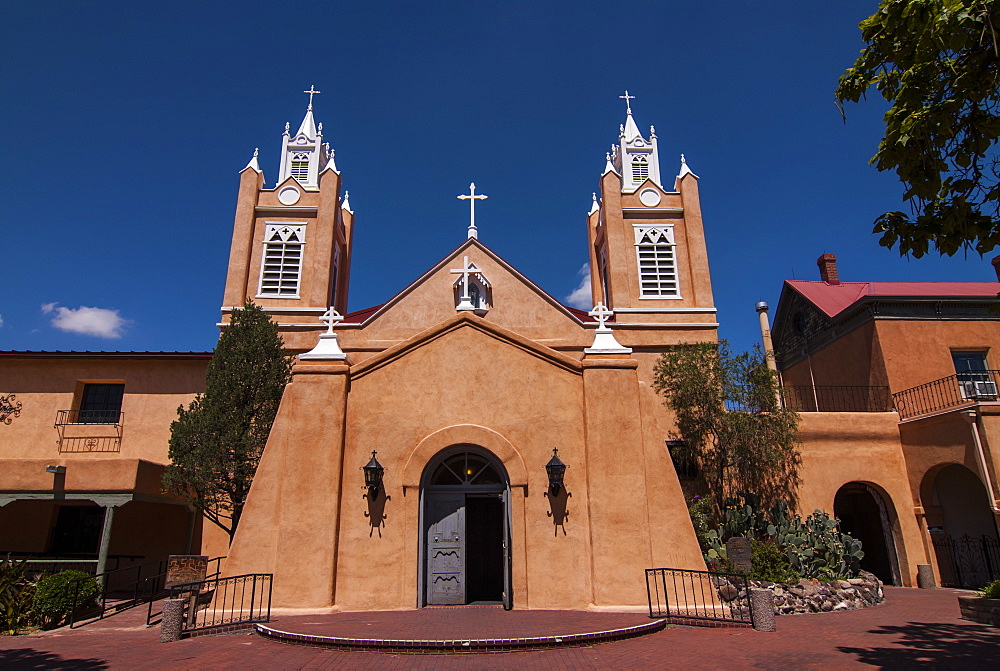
point(10, 408)
point(220, 604)
point(967, 562)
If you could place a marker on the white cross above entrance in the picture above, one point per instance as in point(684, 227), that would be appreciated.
point(602, 315)
point(331, 318)
point(466, 270)
point(472, 198)
point(312, 91)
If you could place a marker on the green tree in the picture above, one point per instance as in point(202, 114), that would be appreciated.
point(728, 414)
point(938, 63)
point(216, 443)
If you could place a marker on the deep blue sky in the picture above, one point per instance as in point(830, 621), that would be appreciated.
point(123, 126)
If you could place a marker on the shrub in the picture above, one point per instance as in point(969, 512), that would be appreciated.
point(16, 593)
point(700, 510)
point(992, 591)
point(769, 563)
point(55, 595)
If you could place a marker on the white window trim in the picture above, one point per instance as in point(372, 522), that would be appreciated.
point(667, 232)
point(269, 229)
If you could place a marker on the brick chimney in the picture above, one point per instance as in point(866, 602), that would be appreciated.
point(828, 268)
point(996, 266)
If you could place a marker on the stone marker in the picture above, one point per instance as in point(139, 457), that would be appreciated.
point(738, 550)
point(925, 576)
point(171, 620)
point(183, 569)
point(762, 610)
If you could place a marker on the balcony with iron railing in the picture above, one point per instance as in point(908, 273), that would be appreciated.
point(89, 430)
point(955, 391)
point(837, 398)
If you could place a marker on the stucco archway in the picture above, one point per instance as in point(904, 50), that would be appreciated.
point(867, 513)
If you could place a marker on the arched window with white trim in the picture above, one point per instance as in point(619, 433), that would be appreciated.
point(640, 169)
point(654, 248)
point(300, 167)
point(281, 264)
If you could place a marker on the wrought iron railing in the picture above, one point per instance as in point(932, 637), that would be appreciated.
point(121, 589)
point(64, 417)
point(954, 391)
point(156, 586)
point(969, 561)
point(225, 603)
point(696, 597)
point(840, 398)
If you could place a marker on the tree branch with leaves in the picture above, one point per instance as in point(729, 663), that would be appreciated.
point(938, 63)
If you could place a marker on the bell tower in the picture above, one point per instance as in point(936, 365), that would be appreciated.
point(648, 256)
point(291, 245)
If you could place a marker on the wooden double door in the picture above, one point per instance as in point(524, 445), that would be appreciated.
point(467, 547)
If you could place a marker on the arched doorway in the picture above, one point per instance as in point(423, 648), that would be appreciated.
point(465, 529)
point(965, 538)
point(863, 513)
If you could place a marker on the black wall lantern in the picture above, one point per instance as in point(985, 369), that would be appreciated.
point(373, 475)
point(556, 469)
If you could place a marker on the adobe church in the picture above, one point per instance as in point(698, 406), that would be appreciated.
point(463, 388)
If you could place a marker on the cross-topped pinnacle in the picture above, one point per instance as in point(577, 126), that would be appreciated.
point(602, 315)
point(312, 91)
point(466, 270)
point(472, 198)
point(627, 98)
point(331, 318)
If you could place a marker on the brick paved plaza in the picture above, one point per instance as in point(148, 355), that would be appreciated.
point(914, 628)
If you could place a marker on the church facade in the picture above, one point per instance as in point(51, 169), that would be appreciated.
point(463, 387)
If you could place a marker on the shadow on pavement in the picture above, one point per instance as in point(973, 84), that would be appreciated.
point(932, 644)
point(26, 658)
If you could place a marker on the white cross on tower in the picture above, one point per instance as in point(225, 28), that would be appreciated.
point(602, 315)
point(472, 198)
point(627, 98)
point(466, 270)
point(331, 318)
point(312, 91)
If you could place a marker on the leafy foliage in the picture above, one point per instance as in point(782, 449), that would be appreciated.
point(217, 442)
point(992, 591)
point(728, 413)
point(57, 594)
point(769, 562)
point(16, 594)
point(814, 547)
point(938, 63)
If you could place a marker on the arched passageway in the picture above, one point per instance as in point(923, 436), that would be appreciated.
point(863, 513)
point(964, 530)
point(465, 529)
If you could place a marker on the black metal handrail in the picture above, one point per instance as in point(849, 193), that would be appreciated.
point(64, 417)
point(692, 597)
point(156, 585)
point(837, 398)
point(124, 583)
point(228, 602)
point(954, 391)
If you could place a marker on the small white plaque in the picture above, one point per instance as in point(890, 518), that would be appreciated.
point(289, 195)
point(649, 197)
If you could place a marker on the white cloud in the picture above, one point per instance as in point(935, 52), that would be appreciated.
point(99, 322)
point(581, 296)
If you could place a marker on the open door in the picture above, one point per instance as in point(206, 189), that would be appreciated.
point(445, 549)
point(508, 596)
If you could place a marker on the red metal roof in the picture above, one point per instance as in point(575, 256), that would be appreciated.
point(835, 298)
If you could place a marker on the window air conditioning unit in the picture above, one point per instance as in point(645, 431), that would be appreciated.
point(980, 389)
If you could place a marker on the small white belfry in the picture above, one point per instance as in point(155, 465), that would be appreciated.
point(328, 346)
point(604, 339)
point(473, 285)
point(472, 198)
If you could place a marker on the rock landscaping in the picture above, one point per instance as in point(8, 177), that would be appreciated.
point(813, 596)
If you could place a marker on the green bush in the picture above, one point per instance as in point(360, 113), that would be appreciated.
point(16, 593)
point(769, 563)
point(55, 594)
point(992, 591)
point(700, 510)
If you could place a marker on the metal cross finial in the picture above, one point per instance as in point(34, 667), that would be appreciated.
point(601, 314)
point(466, 270)
point(627, 98)
point(312, 91)
point(331, 317)
point(472, 198)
